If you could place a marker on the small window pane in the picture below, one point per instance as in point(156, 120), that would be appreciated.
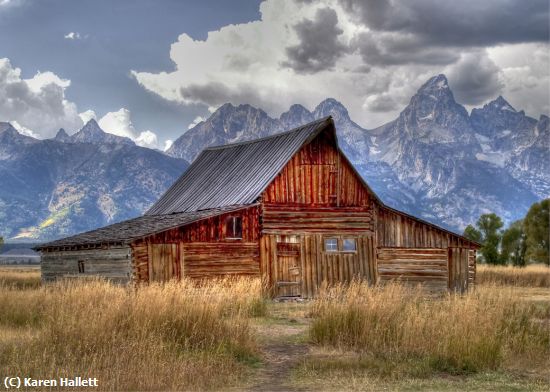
point(331, 245)
point(234, 227)
point(350, 245)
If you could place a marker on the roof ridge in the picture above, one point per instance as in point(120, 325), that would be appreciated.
point(261, 139)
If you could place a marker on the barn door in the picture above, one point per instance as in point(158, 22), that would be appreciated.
point(164, 262)
point(288, 264)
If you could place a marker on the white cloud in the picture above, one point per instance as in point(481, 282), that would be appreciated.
point(37, 103)
point(374, 77)
point(167, 144)
point(147, 139)
point(87, 116)
point(525, 74)
point(73, 35)
point(23, 130)
point(119, 123)
point(195, 122)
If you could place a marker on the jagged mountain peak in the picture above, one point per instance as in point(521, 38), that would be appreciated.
point(7, 127)
point(438, 82)
point(498, 118)
point(91, 132)
point(331, 107)
point(433, 115)
point(501, 104)
point(436, 89)
point(62, 136)
point(295, 116)
point(10, 135)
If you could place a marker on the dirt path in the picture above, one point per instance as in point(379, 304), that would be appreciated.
point(283, 348)
point(280, 359)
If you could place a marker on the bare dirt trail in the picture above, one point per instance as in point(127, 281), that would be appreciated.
point(284, 346)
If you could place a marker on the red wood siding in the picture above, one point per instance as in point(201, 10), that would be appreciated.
point(202, 249)
point(282, 218)
point(317, 176)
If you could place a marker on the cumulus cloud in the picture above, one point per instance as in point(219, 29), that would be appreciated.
point(72, 35)
point(37, 103)
point(87, 116)
point(23, 130)
point(458, 23)
point(119, 123)
point(371, 55)
point(475, 79)
point(319, 47)
point(167, 144)
point(195, 122)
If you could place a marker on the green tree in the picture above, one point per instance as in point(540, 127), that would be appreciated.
point(473, 234)
point(537, 232)
point(514, 244)
point(487, 233)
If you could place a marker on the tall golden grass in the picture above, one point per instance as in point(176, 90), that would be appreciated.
point(536, 275)
point(19, 277)
point(482, 330)
point(175, 336)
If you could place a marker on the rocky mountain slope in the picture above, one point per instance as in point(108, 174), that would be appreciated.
point(69, 184)
point(435, 160)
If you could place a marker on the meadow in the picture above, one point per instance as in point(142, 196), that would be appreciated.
point(223, 335)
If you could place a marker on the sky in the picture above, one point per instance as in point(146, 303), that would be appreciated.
point(150, 69)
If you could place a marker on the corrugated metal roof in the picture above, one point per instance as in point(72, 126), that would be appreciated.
point(235, 173)
point(130, 230)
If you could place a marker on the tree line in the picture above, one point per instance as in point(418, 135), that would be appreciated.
point(524, 241)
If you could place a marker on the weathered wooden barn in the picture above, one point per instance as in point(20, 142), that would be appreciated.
point(290, 208)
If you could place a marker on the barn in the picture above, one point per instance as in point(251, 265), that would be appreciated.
point(289, 208)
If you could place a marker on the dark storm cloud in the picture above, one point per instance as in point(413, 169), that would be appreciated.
point(475, 79)
point(397, 49)
point(216, 94)
point(319, 46)
point(457, 23)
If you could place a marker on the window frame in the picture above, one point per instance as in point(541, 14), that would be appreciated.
point(327, 250)
point(344, 250)
point(233, 219)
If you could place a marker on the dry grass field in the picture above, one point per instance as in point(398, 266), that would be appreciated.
point(225, 336)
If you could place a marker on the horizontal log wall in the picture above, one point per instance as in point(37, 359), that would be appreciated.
point(201, 249)
point(203, 259)
point(399, 230)
point(318, 176)
point(112, 263)
point(426, 266)
point(284, 218)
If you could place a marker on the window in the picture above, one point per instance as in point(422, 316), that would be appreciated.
point(80, 266)
point(331, 245)
point(234, 227)
point(350, 245)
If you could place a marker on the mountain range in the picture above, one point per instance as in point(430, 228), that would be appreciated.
point(435, 160)
point(68, 184)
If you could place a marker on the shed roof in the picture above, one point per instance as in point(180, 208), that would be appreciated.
point(133, 229)
point(235, 173)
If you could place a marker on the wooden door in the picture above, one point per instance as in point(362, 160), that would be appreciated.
point(164, 262)
point(289, 270)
